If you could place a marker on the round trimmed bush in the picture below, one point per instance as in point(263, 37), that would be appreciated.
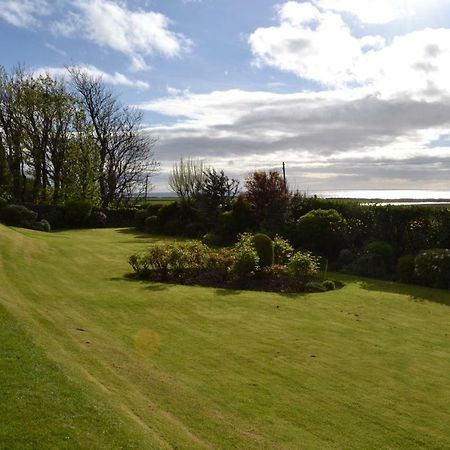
point(264, 247)
point(322, 231)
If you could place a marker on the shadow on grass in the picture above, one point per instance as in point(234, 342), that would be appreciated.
point(138, 234)
point(223, 292)
point(148, 285)
point(414, 292)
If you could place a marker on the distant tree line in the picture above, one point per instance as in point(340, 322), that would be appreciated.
point(68, 140)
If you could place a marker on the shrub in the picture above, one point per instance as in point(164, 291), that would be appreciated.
point(170, 260)
point(172, 217)
point(226, 226)
point(267, 194)
point(51, 213)
point(3, 202)
point(120, 217)
point(245, 262)
point(140, 216)
point(194, 229)
point(329, 285)
point(303, 266)
point(41, 225)
point(315, 286)
point(151, 224)
point(77, 212)
point(264, 248)
point(17, 215)
point(432, 268)
point(211, 239)
point(282, 249)
point(405, 268)
point(382, 249)
point(322, 231)
point(368, 265)
point(346, 257)
point(97, 219)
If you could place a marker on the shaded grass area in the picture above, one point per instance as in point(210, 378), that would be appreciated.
point(188, 367)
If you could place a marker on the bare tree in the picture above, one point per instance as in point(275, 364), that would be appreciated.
point(126, 153)
point(186, 179)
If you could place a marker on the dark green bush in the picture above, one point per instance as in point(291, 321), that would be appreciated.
point(41, 225)
point(140, 216)
point(17, 215)
point(211, 239)
point(226, 227)
point(315, 286)
point(405, 268)
point(171, 220)
point(368, 265)
point(194, 229)
point(321, 231)
point(346, 257)
point(264, 247)
point(382, 249)
point(77, 212)
point(329, 285)
point(432, 268)
point(151, 224)
point(51, 213)
point(3, 202)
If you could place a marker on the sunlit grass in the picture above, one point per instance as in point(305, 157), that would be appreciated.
point(159, 366)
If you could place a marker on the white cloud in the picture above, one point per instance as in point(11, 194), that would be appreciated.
point(116, 78)
point(318, 45)
point(377, 11)
point(343, 138)
point(135, 33)
point(23, 13)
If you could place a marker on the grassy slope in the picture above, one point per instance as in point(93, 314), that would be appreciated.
point(363, 367)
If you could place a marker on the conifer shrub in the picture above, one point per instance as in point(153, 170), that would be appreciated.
point(264, 248)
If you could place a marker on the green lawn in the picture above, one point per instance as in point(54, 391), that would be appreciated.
point(90, 359)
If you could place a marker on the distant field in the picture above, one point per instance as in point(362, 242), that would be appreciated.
point(90, 359)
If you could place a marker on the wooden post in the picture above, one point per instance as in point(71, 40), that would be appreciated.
point(284, 176)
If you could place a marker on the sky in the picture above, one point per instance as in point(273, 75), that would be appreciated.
point(350, 94)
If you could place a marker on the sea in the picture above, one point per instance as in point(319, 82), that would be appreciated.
point(397, 196)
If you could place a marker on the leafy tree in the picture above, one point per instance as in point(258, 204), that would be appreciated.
point(268, 197)
point(216, 194)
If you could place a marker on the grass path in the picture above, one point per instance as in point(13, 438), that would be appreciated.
point(113, 363)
